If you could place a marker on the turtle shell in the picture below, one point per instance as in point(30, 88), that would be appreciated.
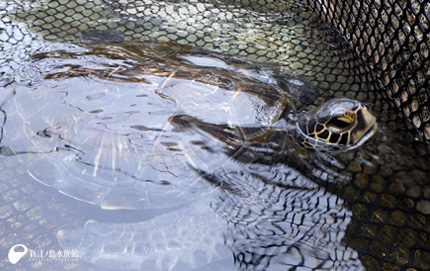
point(112, 144)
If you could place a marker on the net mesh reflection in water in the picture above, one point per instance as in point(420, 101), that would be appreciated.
point(393, 38)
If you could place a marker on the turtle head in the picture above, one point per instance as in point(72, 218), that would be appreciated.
point(338, 124)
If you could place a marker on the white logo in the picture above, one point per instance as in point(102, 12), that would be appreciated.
point(14, 255)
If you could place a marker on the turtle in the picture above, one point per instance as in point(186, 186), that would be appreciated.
point(175, 137)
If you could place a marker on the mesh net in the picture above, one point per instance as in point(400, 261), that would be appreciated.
point(393, 38)
point(389, 197)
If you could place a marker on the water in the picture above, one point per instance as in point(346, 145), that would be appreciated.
point(134, 135)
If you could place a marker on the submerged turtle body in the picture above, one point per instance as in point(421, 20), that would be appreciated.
point(106, 150)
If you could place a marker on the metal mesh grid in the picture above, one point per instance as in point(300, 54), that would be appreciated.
point(393, 38)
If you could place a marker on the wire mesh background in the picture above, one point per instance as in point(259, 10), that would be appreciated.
point(393, 38)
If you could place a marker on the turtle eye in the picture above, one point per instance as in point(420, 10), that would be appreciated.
point(340, 122)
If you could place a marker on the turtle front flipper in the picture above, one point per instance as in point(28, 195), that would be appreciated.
point(221, 142)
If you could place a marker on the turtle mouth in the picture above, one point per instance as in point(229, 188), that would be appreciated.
point(368, 134)
point(368, 129)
